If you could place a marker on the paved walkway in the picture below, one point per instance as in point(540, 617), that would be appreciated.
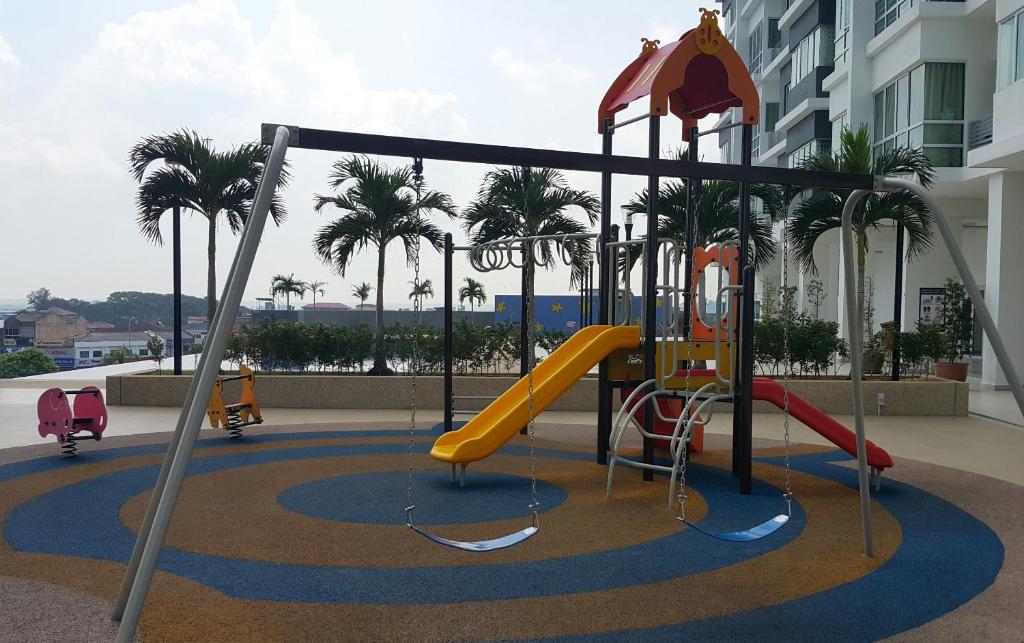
point(976, 444)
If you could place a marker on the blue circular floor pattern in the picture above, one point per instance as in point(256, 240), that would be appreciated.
point(946, 556)
point(52, 523)
point(372, 497)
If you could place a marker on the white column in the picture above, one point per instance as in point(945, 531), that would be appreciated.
point(1004, 271)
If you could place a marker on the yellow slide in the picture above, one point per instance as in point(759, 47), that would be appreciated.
point(505, 416)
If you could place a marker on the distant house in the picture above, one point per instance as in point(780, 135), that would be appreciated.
point(327, 305)
point(365, 307)
point(92, 348)
point(96, 327)
point(52, 330)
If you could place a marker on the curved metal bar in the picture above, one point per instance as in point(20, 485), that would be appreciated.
point(853, 319)
point(989, 325)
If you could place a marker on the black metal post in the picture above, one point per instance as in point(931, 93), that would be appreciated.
point(897, 306)
point(743, 408)
point(650, 289)
point(176, 269)
point(604, 392)
point(590, 292)
point(449, 339)
point(692, 187)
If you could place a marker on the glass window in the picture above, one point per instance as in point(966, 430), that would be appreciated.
point(774, 35)
point(838, 125)
point(755, 49)
point(902, 103)
point(1006, 61)
point(771, 116)
point(888, 11)
point(1019, 66)
point(890, 110)
point(97, 353)
point(145, 351)
point(944, 92)
point(923, 109)
point(83, 354)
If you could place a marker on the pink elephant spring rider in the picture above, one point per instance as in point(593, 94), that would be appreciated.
point(86, 422)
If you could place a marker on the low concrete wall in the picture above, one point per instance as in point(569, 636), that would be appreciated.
point(913, 397)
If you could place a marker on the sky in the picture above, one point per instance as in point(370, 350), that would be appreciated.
point(80, 83)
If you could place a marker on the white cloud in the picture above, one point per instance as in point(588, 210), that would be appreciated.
point(7, 57)
point(537, 78)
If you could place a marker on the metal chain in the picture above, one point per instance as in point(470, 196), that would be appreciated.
point(686, 400)
point(788, 494)
point(530, 429)
point(418, 183)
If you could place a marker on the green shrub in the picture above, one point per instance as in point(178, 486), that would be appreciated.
point(30, 361)
point(118, 355)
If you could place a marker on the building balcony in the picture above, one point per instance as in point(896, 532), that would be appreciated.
point(979, 132)
point(772, 145)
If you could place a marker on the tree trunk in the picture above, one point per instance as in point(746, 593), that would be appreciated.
point(211, 270)
point(287, 300)
point(380, 366)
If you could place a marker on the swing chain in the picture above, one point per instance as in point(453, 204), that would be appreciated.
point(688, 400)
point(417, 166)
point(531, 357)
point(788, 493)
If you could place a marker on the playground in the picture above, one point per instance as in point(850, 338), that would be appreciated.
point(673, 511)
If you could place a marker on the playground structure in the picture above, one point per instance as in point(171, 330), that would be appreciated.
point(696, 76)
point(70, 425)
point(235, 417)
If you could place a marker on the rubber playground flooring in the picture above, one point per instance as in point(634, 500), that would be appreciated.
point(298, 533)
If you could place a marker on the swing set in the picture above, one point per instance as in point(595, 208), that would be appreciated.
point(696, 76)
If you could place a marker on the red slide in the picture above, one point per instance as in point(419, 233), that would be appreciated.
point(817, 420)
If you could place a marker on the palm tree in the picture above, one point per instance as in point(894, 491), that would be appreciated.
point(315, 287)
point(717, 215)
point(287, 286)
point(474, 292)
point(362, 293)
point(198, 178)
point(381, 205)
point(822, 209)
point(523, 202)
point(424, 289)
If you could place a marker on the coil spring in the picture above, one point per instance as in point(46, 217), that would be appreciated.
point(69, 448)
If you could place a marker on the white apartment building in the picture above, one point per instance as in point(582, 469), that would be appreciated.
point(943, 75)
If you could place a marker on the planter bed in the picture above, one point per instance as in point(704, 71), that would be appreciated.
point(930, 396)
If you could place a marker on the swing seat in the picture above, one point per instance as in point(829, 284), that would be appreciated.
point(766, 528)
point(480, 545)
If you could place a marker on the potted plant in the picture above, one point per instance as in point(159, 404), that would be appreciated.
point(874, 355)
point(956, 319)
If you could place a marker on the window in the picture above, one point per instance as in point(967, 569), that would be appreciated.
point(813, 147)
point(815, 50)
point(143, 352)
point(774, 35)
point(755, 49)
point(12, 332)
point(888, 11)
point(838, 125)
point(785, 98)
point(923, 109)
point(771, 116)
point(83, 354)
point(723, 151)
point(1010, 53)
point(842, 41)
point(97, 353)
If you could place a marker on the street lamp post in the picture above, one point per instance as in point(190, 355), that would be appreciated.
point(130, 320)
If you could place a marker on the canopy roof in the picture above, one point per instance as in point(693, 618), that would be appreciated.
point(697, 75)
